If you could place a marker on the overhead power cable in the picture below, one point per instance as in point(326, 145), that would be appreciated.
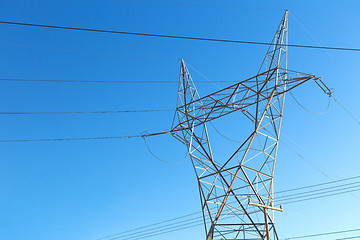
point(68, 139)
point(173, 36)
point(347, 111)
point(353, 237)
point(323, 234)
point(308, 110)
point(88, 112)
point(327, 53)
point(306, 196)
point(168, 162)
point(86, 138)
point(134, 136)
point(346, 238)
point(198, 222)
point(317, 191)
point(337, 189)
point(201, 5)
point(147, 226)
point(103, 81)
point(320, 184)
point(184, 224)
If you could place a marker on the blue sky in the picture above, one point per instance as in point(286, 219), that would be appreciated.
point(85, 190)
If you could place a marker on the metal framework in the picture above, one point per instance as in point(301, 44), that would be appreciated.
point(236, 191)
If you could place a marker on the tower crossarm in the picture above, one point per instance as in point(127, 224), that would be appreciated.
point(238, 97)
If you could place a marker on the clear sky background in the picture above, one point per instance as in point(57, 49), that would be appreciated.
point(84, 190)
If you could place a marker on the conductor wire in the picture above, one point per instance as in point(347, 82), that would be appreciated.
point(347, 111)
point(148, 148)
point(319, 113)
point(222, 134)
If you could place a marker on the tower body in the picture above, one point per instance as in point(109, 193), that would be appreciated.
point(236, 189)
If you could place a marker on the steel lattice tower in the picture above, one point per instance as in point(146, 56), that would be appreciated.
point(236, 191)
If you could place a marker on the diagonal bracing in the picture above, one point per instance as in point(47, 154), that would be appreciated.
point(236, 192)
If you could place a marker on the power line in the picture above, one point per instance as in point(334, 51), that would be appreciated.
point(336, 189)
point(285, 199)
point(123, 137)
point(308, 110)
point(69, 139)
point(316, 191)
point(150, 35)
point(322, 234)
point(146, 233)
point(155, 231)
point(101, 81)
point(88, 112)
point(87, 138)
point(130, 236)
point(332, 58)
point(173, 36)
point(347, 111)
point(161, 160)
point(328, 54)
point(150, 225)
point(201, 5)
point(348, 238)
point(306, 160)
point(327, 195)
point(320, 184)
point(152, 234)
point(165, 228)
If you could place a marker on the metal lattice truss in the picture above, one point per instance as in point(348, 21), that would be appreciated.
point(236, 191)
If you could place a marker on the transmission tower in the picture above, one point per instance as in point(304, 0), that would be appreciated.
point(236, 191)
